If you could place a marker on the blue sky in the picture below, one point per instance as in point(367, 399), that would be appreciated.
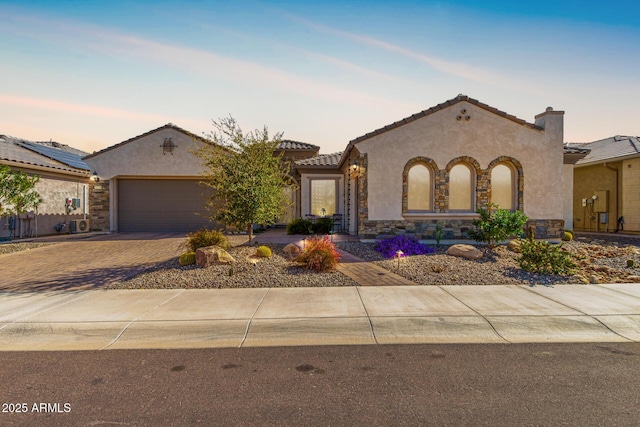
point(92, 74)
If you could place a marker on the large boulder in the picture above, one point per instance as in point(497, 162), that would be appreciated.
point(292, 250)
point(212, 255)
point(465, 251)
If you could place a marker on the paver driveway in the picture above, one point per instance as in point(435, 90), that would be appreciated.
point(89, 263)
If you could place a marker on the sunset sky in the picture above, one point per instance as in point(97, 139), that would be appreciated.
point(92, 74)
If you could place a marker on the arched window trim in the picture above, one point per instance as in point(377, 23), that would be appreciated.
point(514, 183)
point(473, 167)
point(432, 168)
point(518, 179)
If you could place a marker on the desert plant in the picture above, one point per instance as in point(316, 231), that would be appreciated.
point(438, 234)
point(567, 236)
point(320, 254)
point(495, 225)
point(263, 252)
point(540, 256)
point(299, 226)
point(322, 226)
point(631, 263)
point(203, 238)
point(187, 258)
point(409, 245)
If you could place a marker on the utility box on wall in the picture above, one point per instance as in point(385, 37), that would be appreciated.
point(601, 201)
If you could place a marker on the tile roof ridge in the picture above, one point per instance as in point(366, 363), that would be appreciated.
point(441, 106)
point(142, 135)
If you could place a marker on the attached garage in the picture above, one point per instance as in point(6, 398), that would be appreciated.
point(161, 205)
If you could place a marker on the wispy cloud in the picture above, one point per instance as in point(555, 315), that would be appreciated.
point(456, 69)
point(83, 109)
point(194, 61)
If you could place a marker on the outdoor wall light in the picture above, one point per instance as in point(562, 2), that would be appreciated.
point(95, 177)
point(355, 164)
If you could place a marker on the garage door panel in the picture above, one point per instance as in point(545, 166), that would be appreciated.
point(161, 205)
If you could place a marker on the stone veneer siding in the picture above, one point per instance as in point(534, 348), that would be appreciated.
point(99, 206)
point(452, 228)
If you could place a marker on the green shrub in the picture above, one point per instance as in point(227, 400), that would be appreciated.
point(263, 252)
point(299, 226)
point(187, 258)
point(496, 225)
point(540, 256)
point(320, 254)
point(567, 235)
point(322, 226)
point(203, 238)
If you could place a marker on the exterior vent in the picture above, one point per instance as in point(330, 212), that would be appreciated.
point(79, 226)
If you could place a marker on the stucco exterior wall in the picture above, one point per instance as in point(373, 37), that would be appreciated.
point(54, 192)
point(587, 181)
point(631, 194)
point(484, 137)
point(145, 157)
point(567, 198)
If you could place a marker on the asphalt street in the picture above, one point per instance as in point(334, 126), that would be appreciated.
point(465, 384)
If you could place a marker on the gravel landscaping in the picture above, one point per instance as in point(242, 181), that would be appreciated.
point(600, 259)
point(272, 272)
point(8, 248)
point(599, 263)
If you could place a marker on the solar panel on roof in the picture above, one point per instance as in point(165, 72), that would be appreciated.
point(71, 159)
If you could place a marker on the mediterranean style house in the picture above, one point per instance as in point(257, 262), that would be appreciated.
point(63, 187)
point(435, 167)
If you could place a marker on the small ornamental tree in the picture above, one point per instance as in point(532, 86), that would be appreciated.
point(496, 225)
point(246, 177)
point(17, 191)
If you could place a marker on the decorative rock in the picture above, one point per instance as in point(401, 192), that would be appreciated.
point(212, 255)
point(593, 280)
point(292, 250)
point(514, 245)
point(465, 251)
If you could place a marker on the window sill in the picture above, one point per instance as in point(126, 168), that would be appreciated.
point(440, 215)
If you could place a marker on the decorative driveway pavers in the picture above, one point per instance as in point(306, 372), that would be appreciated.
point(88, 263)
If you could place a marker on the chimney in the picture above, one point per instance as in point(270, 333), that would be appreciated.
point(553, 124)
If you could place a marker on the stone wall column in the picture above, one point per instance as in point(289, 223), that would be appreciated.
point(99, 206)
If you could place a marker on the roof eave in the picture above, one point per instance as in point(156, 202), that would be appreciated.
point(167, 126)
point(52, 169)
point(609, 160)
point(442, 106)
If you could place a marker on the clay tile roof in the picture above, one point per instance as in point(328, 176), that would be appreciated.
point(287, 144)
point(326, 160)
point(442, 106)
point(43, 154)
point(608, 148)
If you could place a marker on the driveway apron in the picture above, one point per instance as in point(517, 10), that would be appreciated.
point(89, 263)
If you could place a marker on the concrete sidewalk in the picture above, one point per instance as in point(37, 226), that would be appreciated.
point(127, 319)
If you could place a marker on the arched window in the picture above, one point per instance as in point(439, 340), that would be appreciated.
point(419, 188)
point(502, 186)
point(460, 185)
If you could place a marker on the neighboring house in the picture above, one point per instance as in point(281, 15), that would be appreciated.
point(606, 193)
point(63, 186)
point(440, 165)
point(151, 182)
point(435, 167)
